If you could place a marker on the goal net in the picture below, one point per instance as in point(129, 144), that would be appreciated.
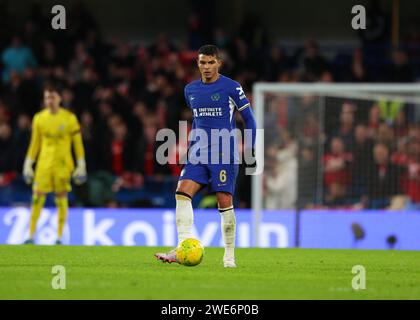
point(338, 146)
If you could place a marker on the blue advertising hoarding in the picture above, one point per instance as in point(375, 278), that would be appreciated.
point(156, 227)
point(150, 227)
point(379, 229)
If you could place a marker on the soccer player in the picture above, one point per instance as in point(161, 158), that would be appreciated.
point(54, 131)
point(213, 99)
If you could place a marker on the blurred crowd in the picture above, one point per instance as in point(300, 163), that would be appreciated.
point(374, 157)
point(365, 155)
point(124, 92)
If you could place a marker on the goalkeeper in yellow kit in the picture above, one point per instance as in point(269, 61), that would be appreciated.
point(54, 131)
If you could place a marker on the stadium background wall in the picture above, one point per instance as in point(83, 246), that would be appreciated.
point(295, 20)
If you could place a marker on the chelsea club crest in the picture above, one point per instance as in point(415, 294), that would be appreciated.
point(215, 97)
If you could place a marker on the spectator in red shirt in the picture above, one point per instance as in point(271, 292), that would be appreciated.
point(147, 148)
point(178, 152)
point(7, 173)
point(122, 155)
point(411, 179)
point(400, 155)
point(336, 164)
point(117, 148)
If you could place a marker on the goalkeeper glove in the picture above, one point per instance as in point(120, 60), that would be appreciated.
point(79, 174)
point(28, 171)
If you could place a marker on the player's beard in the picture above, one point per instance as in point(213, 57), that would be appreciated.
point(209, 76)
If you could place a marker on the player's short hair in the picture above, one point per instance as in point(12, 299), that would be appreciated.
point(209, 50)
point(51, 86)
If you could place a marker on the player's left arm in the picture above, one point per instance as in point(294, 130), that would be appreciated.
point(243, 105)
point(79, 173)
point(250, 124)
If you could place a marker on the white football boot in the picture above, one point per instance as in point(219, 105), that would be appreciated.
point(229, 261)
point(167, 257)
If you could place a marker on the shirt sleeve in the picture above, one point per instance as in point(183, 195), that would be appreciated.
point(35, 143)
point(187, 101)
point(77, 138)
point(250, 124)
point(237, 95)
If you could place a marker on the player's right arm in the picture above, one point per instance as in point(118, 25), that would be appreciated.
point(33, 151)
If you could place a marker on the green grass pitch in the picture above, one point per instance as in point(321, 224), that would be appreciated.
point(133, 273)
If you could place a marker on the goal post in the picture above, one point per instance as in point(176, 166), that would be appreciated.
point(307, 117)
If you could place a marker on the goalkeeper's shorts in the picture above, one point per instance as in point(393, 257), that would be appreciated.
point(52, 180)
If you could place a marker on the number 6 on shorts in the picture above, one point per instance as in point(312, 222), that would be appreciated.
point(222, 176)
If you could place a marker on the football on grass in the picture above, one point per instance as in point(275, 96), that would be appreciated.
point(190, 252)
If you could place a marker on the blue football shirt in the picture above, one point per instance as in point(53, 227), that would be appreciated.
point(213, 106)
